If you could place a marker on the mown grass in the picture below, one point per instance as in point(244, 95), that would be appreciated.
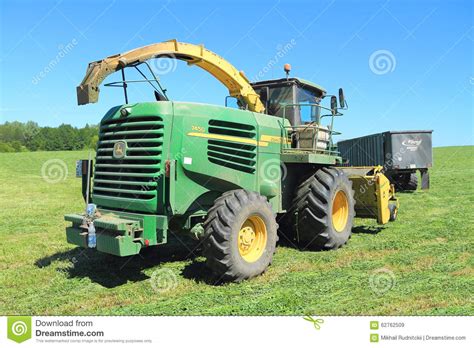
point(428, 251)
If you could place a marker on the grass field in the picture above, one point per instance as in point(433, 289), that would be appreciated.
point(420, 264)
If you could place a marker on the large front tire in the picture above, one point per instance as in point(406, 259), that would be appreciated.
point(322, 213)
point(240, 235)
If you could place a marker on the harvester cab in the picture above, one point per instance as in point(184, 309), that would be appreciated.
point(292, 98)
point(300, 102)
point(222, 175)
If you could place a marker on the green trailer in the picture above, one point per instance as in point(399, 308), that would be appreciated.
point(223, 175)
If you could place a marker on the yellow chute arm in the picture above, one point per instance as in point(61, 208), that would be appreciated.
point(235, 81)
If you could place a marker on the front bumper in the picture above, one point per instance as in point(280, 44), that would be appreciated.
point(118, 233)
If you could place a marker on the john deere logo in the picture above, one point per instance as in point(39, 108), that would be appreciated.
point(19, 328)
point(120, 147)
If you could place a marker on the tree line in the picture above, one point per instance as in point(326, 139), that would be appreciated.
point(18, 137)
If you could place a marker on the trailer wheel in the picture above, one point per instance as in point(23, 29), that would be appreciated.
point(240, 235)
point(406, 182)
point(411, 183)
point(323, 210)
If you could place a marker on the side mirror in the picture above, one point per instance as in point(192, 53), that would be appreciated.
point(342, 101)
point(333, 104)
point(264, 94)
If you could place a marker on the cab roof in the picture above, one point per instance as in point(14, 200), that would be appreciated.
point(291, 80)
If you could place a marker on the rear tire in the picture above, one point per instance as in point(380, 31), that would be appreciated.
point(322, 212)
point(240, 235)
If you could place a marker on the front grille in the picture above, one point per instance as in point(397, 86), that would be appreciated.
point(137, 174)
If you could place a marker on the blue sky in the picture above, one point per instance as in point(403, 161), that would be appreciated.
point(427, 81)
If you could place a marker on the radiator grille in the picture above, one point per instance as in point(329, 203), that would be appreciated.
point(230, 153)
point(135, 176)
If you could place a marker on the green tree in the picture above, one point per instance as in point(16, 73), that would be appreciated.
point(18, 136)
point(4, 147)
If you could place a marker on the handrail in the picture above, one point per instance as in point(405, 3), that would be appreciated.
point(330, 131)
point(316, 129)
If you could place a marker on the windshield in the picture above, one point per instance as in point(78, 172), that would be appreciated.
point(290, 95)
point(278, 97)
point(309, 113)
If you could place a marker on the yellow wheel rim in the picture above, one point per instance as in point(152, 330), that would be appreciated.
point(252, 238)
point(340, 211)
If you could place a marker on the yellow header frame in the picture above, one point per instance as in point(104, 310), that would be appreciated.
point(235, 81)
